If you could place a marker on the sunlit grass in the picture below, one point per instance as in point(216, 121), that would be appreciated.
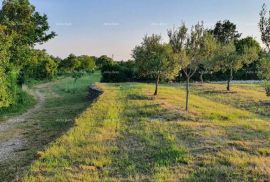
point(129, 135)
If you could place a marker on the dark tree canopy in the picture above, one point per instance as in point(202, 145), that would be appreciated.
point(225, 32)
point(103, 60)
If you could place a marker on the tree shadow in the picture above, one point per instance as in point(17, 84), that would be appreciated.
point(218, 92)
point(139, 97)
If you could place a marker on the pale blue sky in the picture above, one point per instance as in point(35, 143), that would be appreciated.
point(115, 27)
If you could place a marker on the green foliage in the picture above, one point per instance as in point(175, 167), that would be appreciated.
point(155, 59)
point(40, 67)
point(87, 63)
point(264, 71)
point(6, 73)
point(20, 17)
point(26, 25)
point(264, 67)
point(191, 50)
point(233, 56)
point(119, 72)
point(21, 28)
point(103, 60)
point(77, 64)
point(225, 32)
point(249, 42)
point(194, 49)
point(70, 64)
point(77, 75)
point(23, 103)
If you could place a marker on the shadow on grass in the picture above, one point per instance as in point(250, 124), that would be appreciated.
point(218, 92)
point(142, 148)
point(139, 97)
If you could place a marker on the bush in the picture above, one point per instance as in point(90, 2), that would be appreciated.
point(4, 96)
point(118, 72)
point(40, 67)
point(87, 64)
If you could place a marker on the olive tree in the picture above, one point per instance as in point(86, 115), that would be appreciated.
point(264, 71)
point(155, 59)
point(191, 50)
point(231, 57)
point(264, 62)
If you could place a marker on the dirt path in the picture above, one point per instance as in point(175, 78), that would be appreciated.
point(10, 139)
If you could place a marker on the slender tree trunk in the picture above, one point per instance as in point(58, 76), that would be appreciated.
point(201, 77)
point(187, 93)
point(157, 82)
point(229, 80)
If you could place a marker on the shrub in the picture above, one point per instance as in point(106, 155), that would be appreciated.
point(40, 67)
point(118, 72)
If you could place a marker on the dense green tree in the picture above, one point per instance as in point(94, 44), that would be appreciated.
point(46, 67)
point(120, 71)
point(209, 47)
point(87, 63)
point(155, 59)
point(20, 17)
point(70, 64)
point(264, 67)
point(233, 53)
point(5, 92)
point(225, 32)
point(231, 57)
point(41, 66)
point(103, 60)
point(27, 26)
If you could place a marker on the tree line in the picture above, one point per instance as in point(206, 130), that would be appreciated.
point(191, 53)
point(196, 51)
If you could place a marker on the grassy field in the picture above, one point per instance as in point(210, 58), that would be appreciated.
point(64, 100)
point(128, 135)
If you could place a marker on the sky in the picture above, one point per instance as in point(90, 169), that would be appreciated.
point(115, 27)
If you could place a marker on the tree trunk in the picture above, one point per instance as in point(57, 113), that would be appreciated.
point(157, 82)
point(201, 77)
point(229, 80)
point(187, 93)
